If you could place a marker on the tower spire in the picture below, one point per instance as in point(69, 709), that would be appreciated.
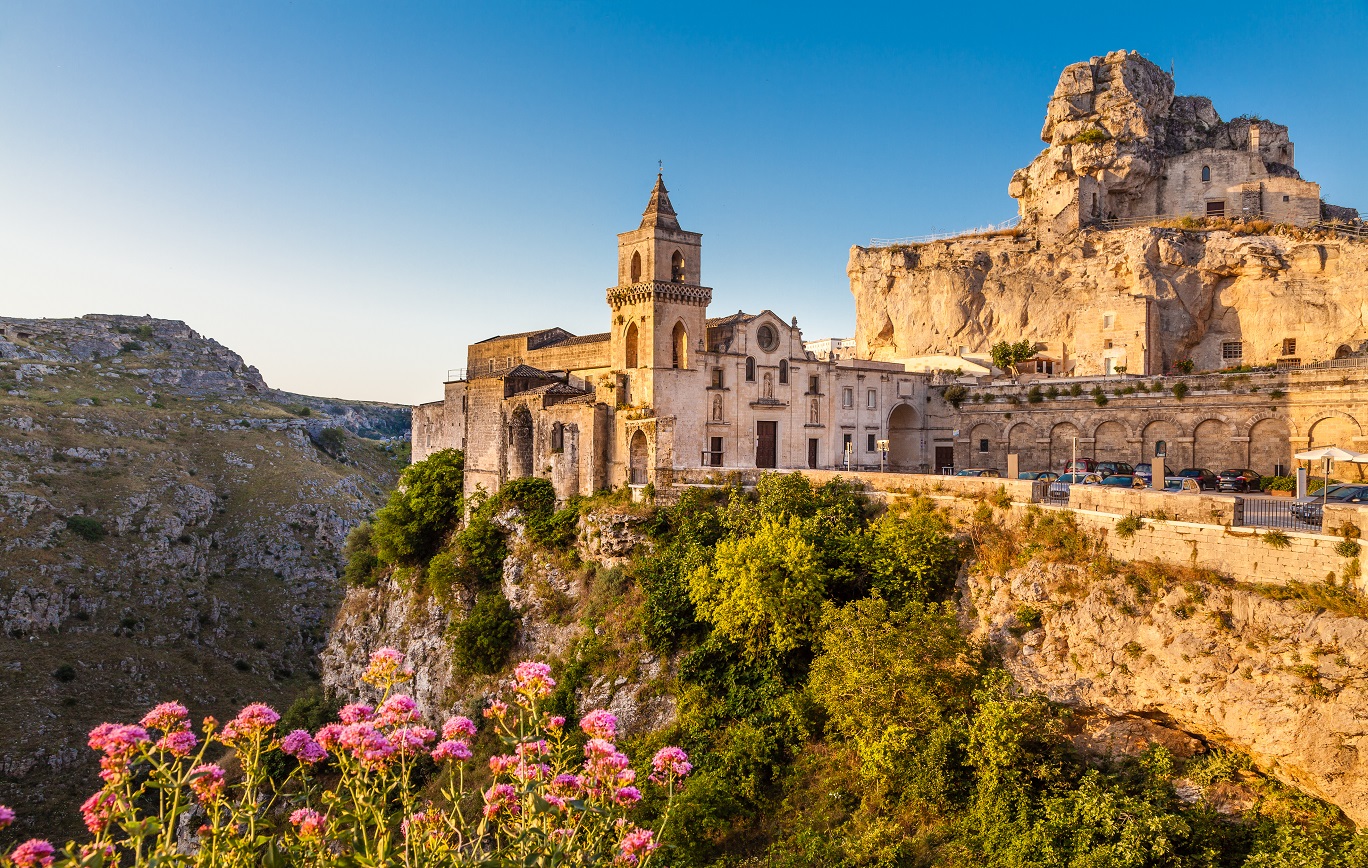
point(659, 212)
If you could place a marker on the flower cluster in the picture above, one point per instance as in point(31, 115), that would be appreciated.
point(557, 797)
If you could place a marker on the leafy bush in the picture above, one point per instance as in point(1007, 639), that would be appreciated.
point(359, 552)
point(1091, 136)
point(1034, 395)
point(1347, 548)
point(1126, 527)
point(1184, 366)
point(422, 510)
point(332, 441)
point(1007, 355)
point(1275, 539)
point(85, 527)
point(1028, 617)
point(955, 395)
point(1099, 397)
point(481, 642)
point(1180, 390)
point(1075, 389)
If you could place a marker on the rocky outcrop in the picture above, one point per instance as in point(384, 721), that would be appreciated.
point(168, 530)
point(1153, 660)
point(1205, 287)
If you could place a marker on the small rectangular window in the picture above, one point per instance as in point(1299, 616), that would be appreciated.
point(1106, 345)
point(870, 442)
point(1289, 346)
point(871, 399)
point(1232, 350)
point(983, 445)
point(717, 378)
point(813, 385)
point(848, 443)
point(1108, 320)
point(1216, 209)
point(715, 451)
point(847, 397)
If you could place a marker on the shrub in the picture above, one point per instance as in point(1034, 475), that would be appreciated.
point(481, 642)
point(1347, 548)
point(911, 556)
point(64, 673)
point(1126, 527)
point(1075, 390)
point(1099, 397)
point(1276, 394)
point(1180, 390)
point(1091, 136)
point(955, 395)
point(1028, 617)
point(1184, 366)
point(130, 347)
point(1276, 539)
point(332, 441)
point(1034, 395)
point(360, 555)
point(1052, 392)
point(422, 510)
point(86, 528)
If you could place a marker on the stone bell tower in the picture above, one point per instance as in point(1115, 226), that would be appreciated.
point(659, 310)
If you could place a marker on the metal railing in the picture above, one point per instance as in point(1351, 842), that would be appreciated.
point(990, 229)
point(1277, 512)
point(455, 374)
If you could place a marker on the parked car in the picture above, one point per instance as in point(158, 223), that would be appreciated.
point(1123, 480)
point(1040, 475)
point(1308, 509)
point(1081, 465)
point(1112, 468)
point(1059, 489)
point(979, 471)
point(1181, 485)
point(1205, 478)
point(1146, 472)
point(1238, 480)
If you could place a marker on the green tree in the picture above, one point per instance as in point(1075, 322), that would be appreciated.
point(481, 642)
point(762, 591)
point(911, 556)
point(1007, 355)
point(422, 510)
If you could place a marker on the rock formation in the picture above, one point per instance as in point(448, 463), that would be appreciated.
point(168, 530)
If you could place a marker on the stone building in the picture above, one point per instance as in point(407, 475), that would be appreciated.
point(669, 387)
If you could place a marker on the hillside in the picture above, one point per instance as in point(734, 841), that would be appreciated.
point(869, 684)
point(169, 527)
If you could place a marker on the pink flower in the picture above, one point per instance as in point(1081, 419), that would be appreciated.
point(529, 749)
point(355, 713)
point(98, 810)
point(6, 816)
point(309, 822)
point(496, 709)
point(178, 743)
point(456, 727)
point(207, 782)
point(670, 762)
point(300, 745)
point(120, 743)
point(534, 679)
point(451, 750)
point(386, 668)
point(367, 744)
point(627, 796)
point(330, 736)
point(557, 801)
point(500, 797)
point(412, 739)
point(597, 747)
point(567, 785)
point(555, 724)
point(32, 854)
point(422, 824)
point(106, 851)
point(634, 845)
point(600, 724)
point(251, 721)
point(499, 763)
point(168, 717)
point(398, 709)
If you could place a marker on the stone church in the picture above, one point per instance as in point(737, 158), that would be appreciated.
point(668, 388)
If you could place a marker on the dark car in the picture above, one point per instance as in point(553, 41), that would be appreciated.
point(1112, 468)
point(1238, 480)
point(1040, 475)
point(1146, 472)
point(1081, 465)
point(1120, 480)
point(1308, 509)
point(1206, 480)
point(978, 471)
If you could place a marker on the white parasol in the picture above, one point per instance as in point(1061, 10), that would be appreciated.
point(1328, 454)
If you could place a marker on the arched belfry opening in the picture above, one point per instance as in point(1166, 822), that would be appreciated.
point(636, 267)
point(677, 267)
point(679, 344)
point(630, 360)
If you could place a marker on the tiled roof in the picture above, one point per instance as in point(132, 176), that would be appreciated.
point(517, 371)
point(554, 389)
point(582, 339)
point(515, 335)
point(738, 317)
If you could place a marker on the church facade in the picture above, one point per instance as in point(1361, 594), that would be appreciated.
point(667, 387)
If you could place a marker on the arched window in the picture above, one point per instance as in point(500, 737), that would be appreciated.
point(631, 355)
point(679, 342)
point(677, 267)
point(636, 267)
point(1206, 173)
point(1160, 449)
point(750, 369)
point(783, 371)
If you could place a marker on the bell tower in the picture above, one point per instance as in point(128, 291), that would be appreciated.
point(659, 310)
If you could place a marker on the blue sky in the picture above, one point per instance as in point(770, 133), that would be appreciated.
point(349, 193)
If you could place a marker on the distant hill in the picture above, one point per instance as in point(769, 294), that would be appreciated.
point(170, 527)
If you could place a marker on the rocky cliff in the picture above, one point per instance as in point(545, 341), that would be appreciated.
point(170, 528)
point(1205, 287)
point(1151, 655)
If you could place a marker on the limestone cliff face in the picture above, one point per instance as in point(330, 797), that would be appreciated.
point(556, 599)
point(1225, 663)
point(1202, 288)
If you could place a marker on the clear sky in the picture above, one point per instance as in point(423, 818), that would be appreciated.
point(349, 193)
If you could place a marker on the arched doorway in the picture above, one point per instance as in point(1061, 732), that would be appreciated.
point(1062, 438)
point(904, 442)
point(520, 444)
point(630, 357)
point(1270, 446)
point(1162, 435)
point(1022, 440)
point(1334, 431)
point(638, 459)
point(1212, 447)
point(1109, 443)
